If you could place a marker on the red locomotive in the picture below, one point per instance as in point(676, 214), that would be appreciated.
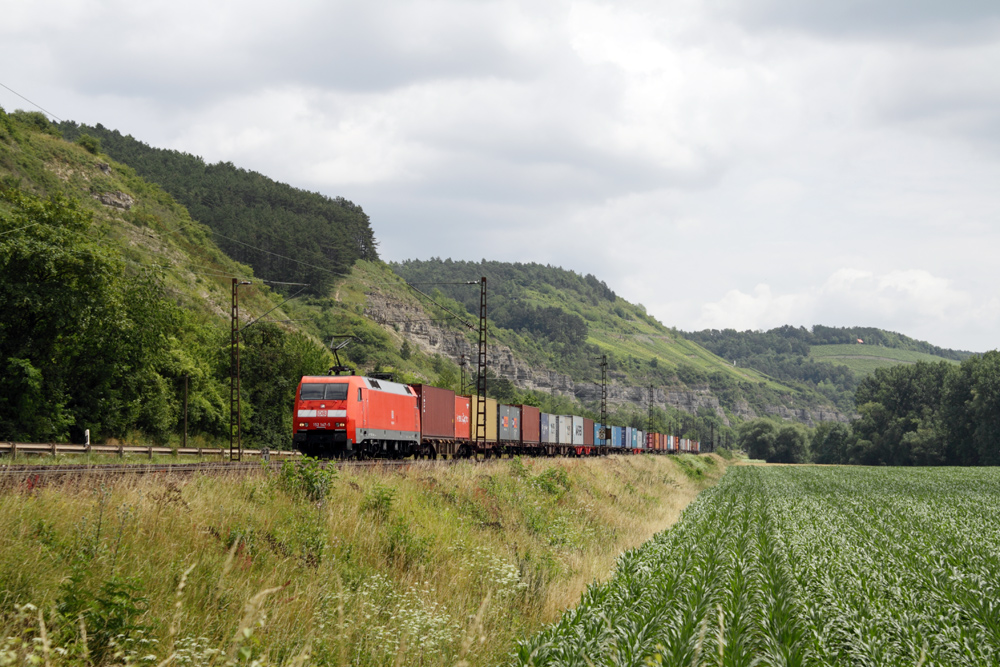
point(357, 417)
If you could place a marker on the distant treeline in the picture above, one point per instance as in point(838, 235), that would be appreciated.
point(255, 220)
point(783, 353)
point(919, 414)
point(732, 344)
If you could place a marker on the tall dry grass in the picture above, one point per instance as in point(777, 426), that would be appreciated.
point(426, 565)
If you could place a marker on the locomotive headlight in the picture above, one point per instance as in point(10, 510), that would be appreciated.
point(302, 424)
point(340, 424)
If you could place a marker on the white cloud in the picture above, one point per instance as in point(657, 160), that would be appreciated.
point(679, 151)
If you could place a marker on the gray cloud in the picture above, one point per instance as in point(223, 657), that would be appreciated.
point(956, 21)
point(716, 165)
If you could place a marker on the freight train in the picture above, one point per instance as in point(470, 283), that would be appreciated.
point(360, 417)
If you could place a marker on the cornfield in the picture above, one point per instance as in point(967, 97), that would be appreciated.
point(803, 566)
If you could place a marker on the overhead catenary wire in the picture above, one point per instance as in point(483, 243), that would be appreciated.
point(470, 326)
point(11, 231)
point(273, 309)
point(31, 103)
point(291, 259)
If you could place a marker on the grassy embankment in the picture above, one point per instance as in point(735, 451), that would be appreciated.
point(864, 359)
point(428, 565)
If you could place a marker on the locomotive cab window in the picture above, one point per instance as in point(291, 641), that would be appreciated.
point(359, 394)
point(314, 391)
point(336, 391)
point(311, 392)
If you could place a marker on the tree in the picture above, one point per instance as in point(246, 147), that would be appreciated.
point(757, 438)
point(82, 336)
point(791, 445)
point(830, 442)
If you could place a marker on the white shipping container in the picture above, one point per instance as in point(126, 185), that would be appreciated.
point(566, 430)
point(577, 430)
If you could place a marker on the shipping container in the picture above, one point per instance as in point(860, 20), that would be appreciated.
point(462, 411)
point(509, 424)
point(491, 418)
point(564, 429)
point(530, 423)
point(543, 428)
point(577, 434)
point(437, 412)
point(553, 429)
point(588, 432)
point(618, 436)
point(640, 439)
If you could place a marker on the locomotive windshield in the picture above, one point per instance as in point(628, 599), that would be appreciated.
point(329, 391)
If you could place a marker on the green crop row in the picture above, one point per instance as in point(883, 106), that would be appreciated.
point(803, 566)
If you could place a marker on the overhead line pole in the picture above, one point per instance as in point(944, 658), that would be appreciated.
point(649, 416)
point(605, 429)
point(235, 407)
point(480, 434)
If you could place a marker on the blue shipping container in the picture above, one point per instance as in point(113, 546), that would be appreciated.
point(543, 428)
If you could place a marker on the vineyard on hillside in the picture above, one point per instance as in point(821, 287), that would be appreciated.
point(803, 566)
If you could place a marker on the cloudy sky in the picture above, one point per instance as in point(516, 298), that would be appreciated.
point(727, 163)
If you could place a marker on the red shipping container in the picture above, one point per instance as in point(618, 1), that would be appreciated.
point(462, 412)
point(588, 432)
point(530, 425)
point(437, 412)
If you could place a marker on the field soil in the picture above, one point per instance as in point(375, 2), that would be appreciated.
point(427, 564)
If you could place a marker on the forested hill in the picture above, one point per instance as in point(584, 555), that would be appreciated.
point(732, 344)
point(820, 357)
point(255, 220)
point(561, 320)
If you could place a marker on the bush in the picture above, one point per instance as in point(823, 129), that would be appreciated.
point(308, 478)
point(91, 144)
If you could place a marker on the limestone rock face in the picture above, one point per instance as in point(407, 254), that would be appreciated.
point(412, 323)
point(116, 199)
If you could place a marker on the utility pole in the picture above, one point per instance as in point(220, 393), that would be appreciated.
point(463, 363)
point(605, 429)
point(649, 416)
point(235, 410)
point(185, 410)
point(480, 432)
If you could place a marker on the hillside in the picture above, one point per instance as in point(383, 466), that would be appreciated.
point(862, 360)
point(254, 219)
point(828, 359)
point(558, 320)
point(114, 300)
